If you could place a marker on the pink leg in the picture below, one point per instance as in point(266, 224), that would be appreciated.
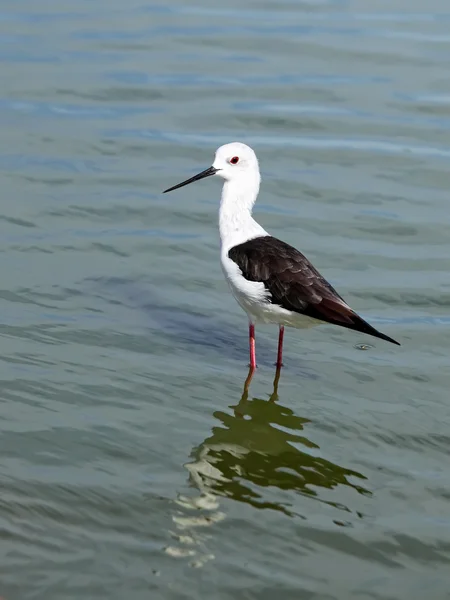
point(280, 347)
point(251, 339)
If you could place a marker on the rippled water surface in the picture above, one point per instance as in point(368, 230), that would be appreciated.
point(130, 465)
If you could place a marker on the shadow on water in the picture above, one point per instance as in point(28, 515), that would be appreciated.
point(187, 328)
point(259, 446)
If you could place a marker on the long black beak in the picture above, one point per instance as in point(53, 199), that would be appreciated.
point(202, 175)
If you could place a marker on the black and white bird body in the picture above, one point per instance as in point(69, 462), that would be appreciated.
point(271, 280)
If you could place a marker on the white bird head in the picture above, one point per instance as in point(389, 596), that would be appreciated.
point(232, 162)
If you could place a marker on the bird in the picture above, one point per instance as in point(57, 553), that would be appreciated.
point(271, 280)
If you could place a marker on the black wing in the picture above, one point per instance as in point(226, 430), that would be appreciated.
point(294, 284)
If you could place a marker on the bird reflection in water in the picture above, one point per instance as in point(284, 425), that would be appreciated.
point(256, 447)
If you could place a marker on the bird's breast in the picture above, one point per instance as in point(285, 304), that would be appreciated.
point(251, 295)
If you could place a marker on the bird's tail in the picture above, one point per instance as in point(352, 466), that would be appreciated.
point(360, 325)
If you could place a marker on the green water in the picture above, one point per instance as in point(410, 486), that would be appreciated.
point(130, 466)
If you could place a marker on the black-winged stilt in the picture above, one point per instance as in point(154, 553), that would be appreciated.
point(272, 281)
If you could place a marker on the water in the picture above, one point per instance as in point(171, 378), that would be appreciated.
point(130, 466)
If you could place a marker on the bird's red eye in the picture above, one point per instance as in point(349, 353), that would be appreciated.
point(234, 160)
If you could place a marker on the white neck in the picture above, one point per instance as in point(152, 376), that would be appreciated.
point(236, 224)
